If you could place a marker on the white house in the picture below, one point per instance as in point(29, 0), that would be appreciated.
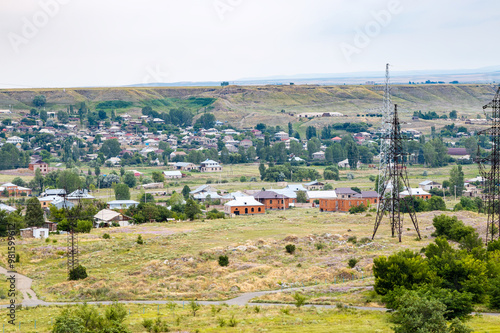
point(15, 140)
point(34, 232)
point(122, 204)
point(106, 217)
point(172, 174)
point(429, 185)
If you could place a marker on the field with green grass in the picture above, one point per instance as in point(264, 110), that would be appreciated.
point(246, 319)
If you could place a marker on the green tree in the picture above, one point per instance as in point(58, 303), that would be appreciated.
point(301, 197)
point(262, 171)
point(415, 313)
point(192, 209)
point(34, 213)
point(122, 192)
point(39, 101)
point(110, 148)
point(206, 121)
point(129, 179)
point(185, 191)
point(43, 115)
point(404, 269)
point(457, 180)
point(68, 180)
point(352, 155)
point(158, 177)
point(453, 114)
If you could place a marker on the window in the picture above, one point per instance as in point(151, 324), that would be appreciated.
point(252, 210)
point(259, 209)
point(270, 201)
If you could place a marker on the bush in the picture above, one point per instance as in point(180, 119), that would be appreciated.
point(223, 261)
point(140, 241)
point(418, 314)
point(18, 257)
point(320, 246)
point(243, 179)
point(299, 299)
point(451, 228)
point(78, 273)
point(290, 248)
point(352, 262)
point(405, 269)
point(106, 236)
point(495, 294)
point(494, 246)
point(358, 209)
point(352, 239)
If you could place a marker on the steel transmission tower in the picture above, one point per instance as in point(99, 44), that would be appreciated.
point(491, 176)
point(390, 200)
point(385, 131)
point(72, 239)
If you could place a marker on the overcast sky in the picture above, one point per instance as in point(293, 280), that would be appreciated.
point(70, 43)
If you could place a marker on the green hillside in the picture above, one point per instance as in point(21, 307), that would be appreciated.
point(245, 106)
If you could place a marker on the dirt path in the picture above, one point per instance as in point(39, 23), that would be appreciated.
point(23, 285)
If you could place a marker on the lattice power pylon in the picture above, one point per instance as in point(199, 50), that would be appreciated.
point(390, 200)
point(385, 131)
point(72, 239)
point(489, 168)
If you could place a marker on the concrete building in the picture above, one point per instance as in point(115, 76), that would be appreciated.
point(34, 232)
point(210, 166)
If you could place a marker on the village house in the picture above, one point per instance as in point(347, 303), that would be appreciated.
point(34, 232)
point(15, 190)
point(44, 167)
point(320, 155)
point(314, 185)
point(210, 166)
point(273, 200)
point(416, 192)
point(428, 185)
point(281, 136)
point(244, 206)
point(172, 174)
point(313, 196)
point(121, 204)
point(185, 166)
point(105, 218)
point(346, 199)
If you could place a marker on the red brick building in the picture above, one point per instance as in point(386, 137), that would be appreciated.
point(273, 200)
point(347, 198)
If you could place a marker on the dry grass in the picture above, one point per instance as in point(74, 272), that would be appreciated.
point(179, 260)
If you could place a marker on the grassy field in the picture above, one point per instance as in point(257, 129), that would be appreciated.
point(247, 319)
point(179, 260)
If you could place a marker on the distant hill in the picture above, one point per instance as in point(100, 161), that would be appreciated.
point(246, 106)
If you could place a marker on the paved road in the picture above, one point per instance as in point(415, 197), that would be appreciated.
point(30, 298)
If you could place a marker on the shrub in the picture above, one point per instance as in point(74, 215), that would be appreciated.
point(495, 294)
point(451, 228)
point(232, 322)
point(106, 236)
point(494, 246)
point(358, 209)
point(194, 307)
point(47, 240)
point(18, 257)
point(139, 240)
point(299, 299)
point(223, 261)
point(78, 273)
point(418, 314)
point(352, 262)
point(320, 246)
point(352, 239)
point(243, 179)
point(405, 268)
point(290, 248)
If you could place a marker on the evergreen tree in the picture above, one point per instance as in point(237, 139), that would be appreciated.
point(34, 213)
